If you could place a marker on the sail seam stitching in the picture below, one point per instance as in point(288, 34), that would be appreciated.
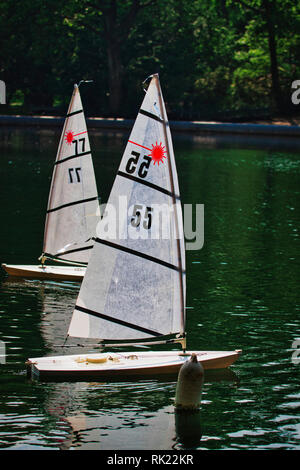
point(116, 320)
point(137, 253)
point(72, 156)
point(147, 183)
point(151, 115)
point(74, 112)
point(72, 204)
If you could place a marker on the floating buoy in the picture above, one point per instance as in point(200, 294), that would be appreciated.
point(189, 385)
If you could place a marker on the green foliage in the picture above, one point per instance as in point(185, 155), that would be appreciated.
point(216, 58)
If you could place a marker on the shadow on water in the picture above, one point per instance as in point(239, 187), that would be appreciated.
point(211, 376)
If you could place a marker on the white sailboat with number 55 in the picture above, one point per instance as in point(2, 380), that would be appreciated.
point(73, 206)
point(133, 291)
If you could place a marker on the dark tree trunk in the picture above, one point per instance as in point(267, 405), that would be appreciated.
point(276, 91)
point(113, 43)
point(115, 73)
point(116, 30)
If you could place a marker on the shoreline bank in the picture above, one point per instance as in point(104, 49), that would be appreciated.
point(198, 127)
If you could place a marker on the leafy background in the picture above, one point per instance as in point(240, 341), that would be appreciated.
point(217, 59)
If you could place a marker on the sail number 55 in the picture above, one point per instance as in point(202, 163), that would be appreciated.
point(143, 167)
point(138, 211)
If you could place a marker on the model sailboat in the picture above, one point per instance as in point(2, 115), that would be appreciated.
point(73, 206)
point(133, 291)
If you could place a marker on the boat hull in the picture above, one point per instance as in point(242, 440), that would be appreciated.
point(126, 364)
point(67, 273)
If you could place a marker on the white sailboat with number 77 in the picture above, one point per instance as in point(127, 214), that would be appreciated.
point(73, 206)
point(134, 288)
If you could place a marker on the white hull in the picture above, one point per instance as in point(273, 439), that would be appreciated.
point(126, 363)
point(67, 273)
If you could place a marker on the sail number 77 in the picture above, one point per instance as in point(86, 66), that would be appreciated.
point(75, 142)
point(74, 175)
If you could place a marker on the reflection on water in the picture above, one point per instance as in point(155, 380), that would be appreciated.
point(89, 415)
point(242, 290)
point(92, 415)
point(147, 422)
point(188, 429)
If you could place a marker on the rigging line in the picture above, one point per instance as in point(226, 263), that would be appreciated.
point(84, 81)
point(140, 254)
point(63, 253)
point(103, 344)
point(147, 183)
point(174, 337)
point(150, 76)
point(117, 320)
point(60, 260)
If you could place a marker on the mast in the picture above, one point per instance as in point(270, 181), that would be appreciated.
point(165, 123)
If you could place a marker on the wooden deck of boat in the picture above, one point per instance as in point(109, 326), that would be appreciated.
point(127, 363)
point(64, 273)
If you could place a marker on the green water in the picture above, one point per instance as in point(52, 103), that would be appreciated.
point(242, 292)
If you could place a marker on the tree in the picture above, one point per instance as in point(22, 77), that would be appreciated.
point(269, 19)
point(214, 57)
point(117, 18)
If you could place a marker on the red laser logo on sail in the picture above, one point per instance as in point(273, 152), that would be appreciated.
point(157, 153)
point(69, 136)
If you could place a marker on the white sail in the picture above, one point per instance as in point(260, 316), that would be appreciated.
point(134, 286)
point(73, 206)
